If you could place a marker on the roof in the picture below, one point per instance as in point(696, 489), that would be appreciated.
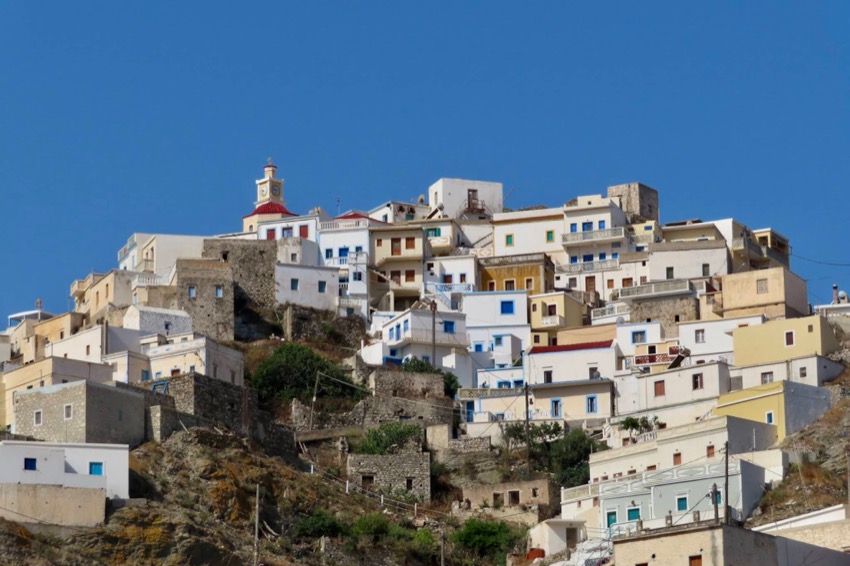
point(352, 216)
point(270, 208)
point(571, 347)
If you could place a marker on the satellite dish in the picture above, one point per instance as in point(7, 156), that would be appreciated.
point(842, 297)
point(597, 375)
point(621, 321)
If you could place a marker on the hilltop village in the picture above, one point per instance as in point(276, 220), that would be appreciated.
point(680, 358)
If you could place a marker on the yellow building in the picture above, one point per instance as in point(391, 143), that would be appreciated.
point(657, 357)
point(787, 404)
point(533, 272)
point(59, 327)
point(774, 292)
point(396, 252)
point(552, 312)
point(585, 334)
point(783, 339)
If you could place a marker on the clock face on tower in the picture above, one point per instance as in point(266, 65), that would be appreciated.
point(263, 192)
point(276, 191)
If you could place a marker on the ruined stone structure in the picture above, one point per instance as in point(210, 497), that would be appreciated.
point(668, 311)
point(407, 471)
point(638, 201)
point(440, 443)
point(540, 498)
point(205, 291)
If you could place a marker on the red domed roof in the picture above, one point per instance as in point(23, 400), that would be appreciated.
point(270, 208)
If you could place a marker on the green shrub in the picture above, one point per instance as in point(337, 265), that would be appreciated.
point(487, 539)
point(320, 523)
point(450, 381)
point(379, 440)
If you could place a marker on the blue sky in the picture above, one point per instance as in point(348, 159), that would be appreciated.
point(118, 117)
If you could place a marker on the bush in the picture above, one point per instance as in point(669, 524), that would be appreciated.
point(487, 539)
point(450, 381)
point(380, 440)
point(320, 523)
point(570, 456)
point(290, 373)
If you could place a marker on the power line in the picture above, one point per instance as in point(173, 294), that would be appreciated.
point(821, 262)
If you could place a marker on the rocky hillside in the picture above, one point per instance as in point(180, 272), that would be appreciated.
point(200, 489)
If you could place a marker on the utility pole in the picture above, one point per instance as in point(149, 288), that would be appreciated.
point(313, 404)
point(257, 528)
point(442, 548)
point(527, 435)
point(434, 333)
point(847, 449)
point(726, 506)
point(714, 493)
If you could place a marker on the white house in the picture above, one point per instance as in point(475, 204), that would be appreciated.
point(157, 253)
point(151, 320)
point(194, 353)
point(394, 211)
point(687, 260)
point(305, 226)
point(810, 370)
point(711, 340)
point(93, 344)
point(446, 278)
point(528, 232)
point(571, 362)
point(311, 286)
point(497, 323)
point(97, 466)
point(630, 335)
point(458, 197)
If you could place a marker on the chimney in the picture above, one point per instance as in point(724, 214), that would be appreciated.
point(835, 293)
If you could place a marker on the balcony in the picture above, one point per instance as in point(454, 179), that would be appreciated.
point(512, 259)
point(588, 266)
point(344, 225)
point(349, 301)
point(336, 261)
point(425, 337)
point(593, 236)
point(610, 310)
point(483, 392)
point(553, 321)
point(654, 290)
point(651, 359)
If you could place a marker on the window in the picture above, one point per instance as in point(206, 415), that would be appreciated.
point(323, 286)
point(706, 270)
point(219, 291)
point(497, 340)
point(587, 258)
point(410, 243)
point(36, 417)
point(573, 282)
point(767, 377)
point(449, 326)
point(395, 276)
point(547, 376)
point(358, 276)
point(643, 279)
point(696, 381)
point(555, 411)
point(88, 350)
point(699, 336)
point(573, 227)
point(509, 240)
point(68, 412)
point(669, 273)
point(590, 403)
point(30, 464)
point(550, 236)
point(768, 417)
point(303, 231)
point(761, 286)
point(146, 375)
point(602, 256)
point(601, 224)
point(628, 281)
point(408, 484)
point(529, 283)
point(811, 328)
point(378, 243)
point(192, 291)
point(432, 232)
point(293, 284)
point(491, 285)
point(659, 388)
point(587, 226)
point(395, 246)
point(573, 259)
point(677, 459)
point(537, 339)
point(478, 347)
point(709, 451)
point(510, 285)
point(803, 371)
point(95, 468)
point(286, 232)
point(681, 503)
point(789, 338)
point(639, 337)
point(463, 277)
point(270, 234)
point(633, 513)
point(610, 284)
point(507, 307)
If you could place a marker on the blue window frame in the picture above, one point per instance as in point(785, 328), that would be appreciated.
point(602, 256)
point(682, 503)
point(555, 408)
point(497, 340)
point(719, 498)
point(640, 248)
point(507, 307)
point(470, 410)
point(586, 226)
point(449, 326)
point(30, 464)
point(146, 375)
point(323, 286)
point(639, 337)
point(293, 284)
point(614, 255)
point(633, 513)
point(426, 359)
point(504, 385)
point(647, 227)
point(615, 244)
point(392, 333)
point(573, 227)
point(573, 259)
point(587, 257)
point(343, 252)
point(329, 253)
point(591, 406)
point(393, 353)
point(95, 468)
point(398, 331)
point(358, 249)
point(406, 325)
point(478, 347)
point(601, 224)
point(519, 383)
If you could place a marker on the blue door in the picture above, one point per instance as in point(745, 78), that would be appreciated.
point(470, 410)
point(610, 518)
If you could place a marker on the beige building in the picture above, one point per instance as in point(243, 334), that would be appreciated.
point(44, 373)
point(774, 292)
point(585, 334)
point(181, 354)
point(784, 339)
point(396, 252)
point(552, 312)
point(533, 272)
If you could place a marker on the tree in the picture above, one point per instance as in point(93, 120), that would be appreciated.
point(290, 373)
point(487, 539)
point(380, 440)
point(450, 381)
point(542, 436)
point(570, 456)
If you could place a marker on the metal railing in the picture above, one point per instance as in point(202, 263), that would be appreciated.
point(593, 236)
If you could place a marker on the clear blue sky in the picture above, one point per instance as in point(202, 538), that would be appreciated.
point(118, 117)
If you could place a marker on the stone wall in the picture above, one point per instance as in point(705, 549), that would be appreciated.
point(637, 200)
point(53, 504)
point(218, 401)
point(542, 494)
point(372, 411)
point(439, 441)
point(666, 312)
point(212, 315)
point(410, 385)
point(393, 474)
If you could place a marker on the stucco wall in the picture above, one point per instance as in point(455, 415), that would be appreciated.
point(57, 505)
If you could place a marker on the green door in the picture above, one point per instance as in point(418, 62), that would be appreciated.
point(611, 518)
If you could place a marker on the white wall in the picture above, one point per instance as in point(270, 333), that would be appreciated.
point(307, 294)
point(529, 231)
point(571, 365)
point(336, 236)
point(687, 264)
point(151, 320)
point(716, 337)
point(626, 336)
point(453, 194)
point(678, 386)
point(290, 226)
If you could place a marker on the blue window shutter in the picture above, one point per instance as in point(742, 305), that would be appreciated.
point(95, 468)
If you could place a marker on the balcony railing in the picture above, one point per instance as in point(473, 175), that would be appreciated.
point(424, 336)
point(440, 241)
point(348, 301)
point(512, 259)
point(344, 225)
point(655, 289)
point(643, 239)
point(610, 310)
point(577, 238)
point(554, 320)
point(587, 266)
point(650, 359)
point(477, 392)
point(448, 288)
point(336, 261)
